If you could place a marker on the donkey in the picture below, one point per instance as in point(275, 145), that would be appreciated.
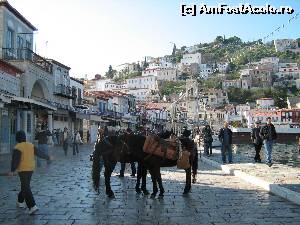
point(113, 150)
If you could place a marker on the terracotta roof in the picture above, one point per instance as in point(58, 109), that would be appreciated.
point(152, 105)
point(9, 68)
point(265, 99)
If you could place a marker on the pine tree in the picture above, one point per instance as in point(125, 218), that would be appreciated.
point(174, 50)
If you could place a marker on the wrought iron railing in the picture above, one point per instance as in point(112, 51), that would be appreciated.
point(25, 54)
point(63, 90)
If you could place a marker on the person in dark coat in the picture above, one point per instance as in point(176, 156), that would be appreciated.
point(225, 137)
point(207, 138)
point(269, 135)
point(257, 141)
point(42, 137)
point(189, 145)
point(132, 164)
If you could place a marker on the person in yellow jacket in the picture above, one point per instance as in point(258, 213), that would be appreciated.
point(23, 163)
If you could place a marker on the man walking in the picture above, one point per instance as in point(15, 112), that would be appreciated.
point(132, 164)
point(65, 140)
point(269, 135)
point(207, 139)
point(42, 138)
point(23, 162)
point(225, 137)
point(257, 141)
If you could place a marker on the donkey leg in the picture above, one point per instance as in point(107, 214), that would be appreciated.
point(188, 181)
point(138, 180)
point(107, 175)
point(144, 180)
point(159, 180)
point(155, 189)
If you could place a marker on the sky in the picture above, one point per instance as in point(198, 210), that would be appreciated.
point(90, 35)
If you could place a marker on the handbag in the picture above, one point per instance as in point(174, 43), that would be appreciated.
point(184, 160)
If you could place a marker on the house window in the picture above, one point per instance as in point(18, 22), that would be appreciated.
point(19, 47)
point(10, 38)
point(29, 123)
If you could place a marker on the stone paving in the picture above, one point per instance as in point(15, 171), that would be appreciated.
point(283, 175)
point(64, 195)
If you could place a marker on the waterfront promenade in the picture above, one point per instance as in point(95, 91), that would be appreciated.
point(64, 194)
point(280, 179)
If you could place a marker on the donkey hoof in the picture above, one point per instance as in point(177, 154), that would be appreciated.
point(194, 180)
point(138, 190)
point(185, 192)
point(153, 195)
point(161, 195)
point(110, 194)
point(146, 192)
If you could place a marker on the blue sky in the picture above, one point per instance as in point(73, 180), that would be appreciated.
point(89, 35)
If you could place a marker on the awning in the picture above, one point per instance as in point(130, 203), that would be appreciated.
point(62, 112)
point(97, 118)
point(82, 116)
point(6, 98)
point(35, 102)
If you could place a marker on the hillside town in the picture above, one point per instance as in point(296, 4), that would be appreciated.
point(207, 133)
point(167, 92)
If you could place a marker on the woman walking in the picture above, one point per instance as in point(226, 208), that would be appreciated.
point(76, 141)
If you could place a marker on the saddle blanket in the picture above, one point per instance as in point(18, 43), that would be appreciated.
point(166, 148)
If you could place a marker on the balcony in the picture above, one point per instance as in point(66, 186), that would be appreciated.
point(26, 54)
point(63, 91)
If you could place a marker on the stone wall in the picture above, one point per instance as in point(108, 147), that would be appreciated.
point(282, 153)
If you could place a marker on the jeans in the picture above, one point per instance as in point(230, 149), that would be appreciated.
point(44, 148)
point(268, 144)
point(224, 148)
point(207, 148)
point(133, 169)
point(75, 148)
point(25, 193)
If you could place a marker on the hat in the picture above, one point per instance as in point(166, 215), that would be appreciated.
point(128, 130)
point(20, 136)
point(186, 133)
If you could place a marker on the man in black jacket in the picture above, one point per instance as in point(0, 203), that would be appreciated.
point(257, 141)
point(269, 135)
point(225, 137)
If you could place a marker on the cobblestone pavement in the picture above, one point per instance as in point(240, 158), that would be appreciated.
point(283, 175)
point(64, 195)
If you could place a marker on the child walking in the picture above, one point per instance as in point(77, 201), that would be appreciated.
point(23, 162)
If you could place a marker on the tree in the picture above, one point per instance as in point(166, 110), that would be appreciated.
point(174, 50)
point(219, 40)
point(138, 67)
point(145, 64)
point(110, 73)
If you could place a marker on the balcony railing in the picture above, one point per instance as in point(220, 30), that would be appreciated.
point(63, 91)
point(25, 54)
